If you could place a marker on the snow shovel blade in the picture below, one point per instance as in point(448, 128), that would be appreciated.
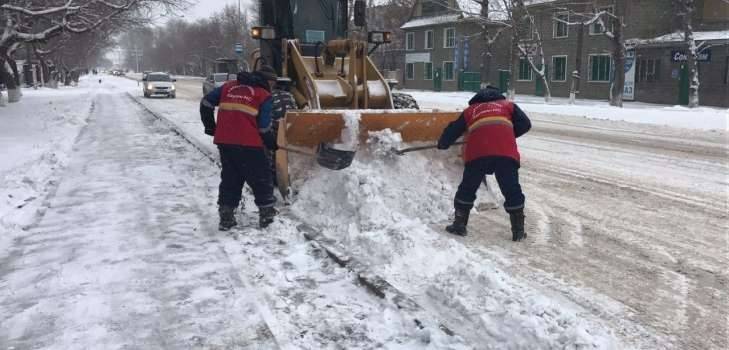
point(334, 159)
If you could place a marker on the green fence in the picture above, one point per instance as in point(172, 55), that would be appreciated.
point(469, 81)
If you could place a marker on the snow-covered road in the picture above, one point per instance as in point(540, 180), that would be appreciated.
point(118, 246)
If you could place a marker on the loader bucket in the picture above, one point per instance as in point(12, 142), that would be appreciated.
point(312, 129)
point(309, 129)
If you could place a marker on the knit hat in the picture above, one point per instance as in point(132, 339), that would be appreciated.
point(267, 72)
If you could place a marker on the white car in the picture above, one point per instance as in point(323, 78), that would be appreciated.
point(159, 84)
point(216, 80)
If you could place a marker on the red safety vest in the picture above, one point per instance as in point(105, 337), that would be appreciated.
point(490, 130)
point(238, 115)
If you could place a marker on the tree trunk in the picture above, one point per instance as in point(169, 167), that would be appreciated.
point(7, 78)
point(486, 55)
point(577, 74)
point(547, 90)
point(618, 42)
point(692, 60)
point(513, 67)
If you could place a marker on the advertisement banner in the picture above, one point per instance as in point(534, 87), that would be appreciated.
point(629, 87)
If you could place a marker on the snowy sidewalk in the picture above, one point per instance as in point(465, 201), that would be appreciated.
point(122, 257)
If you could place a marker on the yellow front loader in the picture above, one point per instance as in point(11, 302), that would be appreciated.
point(325, 87)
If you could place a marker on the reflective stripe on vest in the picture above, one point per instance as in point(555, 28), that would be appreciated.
point(490, 120)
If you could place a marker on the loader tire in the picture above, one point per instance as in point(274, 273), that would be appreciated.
point(404, 101)
point(282, 101)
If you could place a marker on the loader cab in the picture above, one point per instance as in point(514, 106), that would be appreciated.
point(310, 21)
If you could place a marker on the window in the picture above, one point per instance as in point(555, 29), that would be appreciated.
point(410, 41)
point(559, 72)
point(429, 39)
point(428, 73)
point(560, 29)
point(448, 70)
point(648, 70)
point(410, 71)
point(596, 28)
point(314, 36)
point(449, 37)
point(600, 66)
point(525, 70)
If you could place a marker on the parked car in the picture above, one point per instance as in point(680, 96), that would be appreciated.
point(216, 80)
point(159, 84)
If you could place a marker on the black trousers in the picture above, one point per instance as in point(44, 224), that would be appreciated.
point(245, 165)
point(507, 175)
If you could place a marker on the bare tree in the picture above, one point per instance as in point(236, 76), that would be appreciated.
point(523, 24)
point(608, 21)
point(37, 22)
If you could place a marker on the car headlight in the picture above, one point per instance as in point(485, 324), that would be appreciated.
point(150, 87)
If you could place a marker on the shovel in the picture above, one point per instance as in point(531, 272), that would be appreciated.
point(400, 152)
point(326, 156)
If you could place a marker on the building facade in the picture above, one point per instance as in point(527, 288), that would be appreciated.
point(656, 69)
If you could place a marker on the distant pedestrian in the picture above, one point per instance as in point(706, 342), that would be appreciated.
point(241, 132)
point(493, 124)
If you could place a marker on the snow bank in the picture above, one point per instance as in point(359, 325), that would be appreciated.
point(389, 211)
point(702, 118)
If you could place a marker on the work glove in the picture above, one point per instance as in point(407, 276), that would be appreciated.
point(442, 145)
point(210, 131)
point(270, 141)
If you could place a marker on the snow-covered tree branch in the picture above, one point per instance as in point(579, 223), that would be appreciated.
point(38, 22)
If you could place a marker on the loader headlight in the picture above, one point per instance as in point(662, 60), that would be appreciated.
point(150, 87)
point(378, 37)
point(265, 33)
point(172, 88)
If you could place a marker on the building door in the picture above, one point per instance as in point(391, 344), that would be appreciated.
point(437, 79)
point(683, 85)
point(504, 80)
point(539, 88)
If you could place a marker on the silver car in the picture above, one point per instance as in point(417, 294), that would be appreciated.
point(159, 84)
point(216, 80)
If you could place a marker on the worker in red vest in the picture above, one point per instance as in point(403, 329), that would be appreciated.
point(492, 124)
point(241, 133)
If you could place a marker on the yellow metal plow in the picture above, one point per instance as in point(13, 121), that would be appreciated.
point(308, 130)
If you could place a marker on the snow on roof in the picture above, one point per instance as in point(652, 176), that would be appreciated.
point(429, 21)
point(679, 37)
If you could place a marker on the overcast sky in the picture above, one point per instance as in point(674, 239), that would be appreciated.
point(204, 8)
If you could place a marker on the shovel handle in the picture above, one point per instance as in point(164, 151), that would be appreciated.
point(297, 151)
point(421, 148)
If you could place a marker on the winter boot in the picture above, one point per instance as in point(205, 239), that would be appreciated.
point(459, 223)
point(517, 225)
point(227, 218)
point(265, 216)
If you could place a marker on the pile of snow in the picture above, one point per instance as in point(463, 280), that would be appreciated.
point(702, 118)
point(389, 212)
